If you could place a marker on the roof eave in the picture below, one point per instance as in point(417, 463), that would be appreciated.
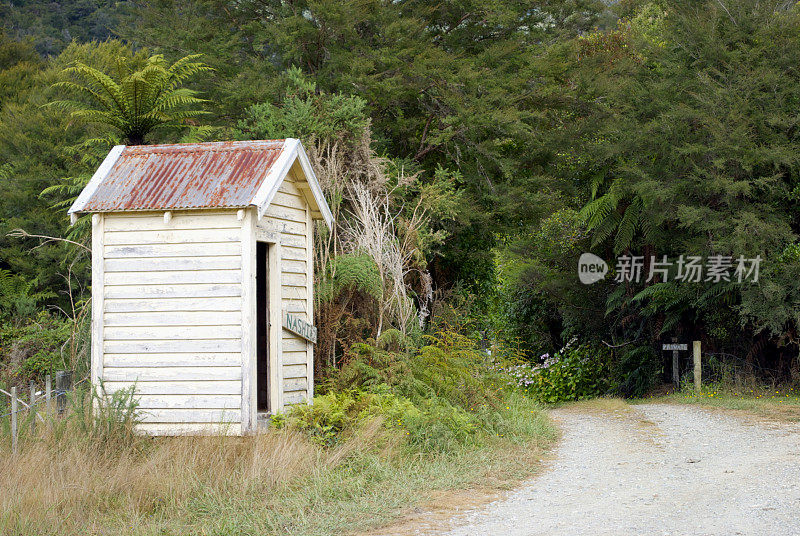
point(292, 150)
point(97, 179)
point(316, 189)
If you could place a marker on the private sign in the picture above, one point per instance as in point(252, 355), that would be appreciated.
point(300, 327)
point(674, 346)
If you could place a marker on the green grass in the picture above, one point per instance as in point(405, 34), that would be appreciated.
point(374, 487)
point(775, 403)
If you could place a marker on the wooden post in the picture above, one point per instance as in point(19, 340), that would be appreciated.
point(32, 410)
point(249, 400)
point(698, 371)
point(48, 393)
point(14, 420)
point(63, 385)
point(676, 373)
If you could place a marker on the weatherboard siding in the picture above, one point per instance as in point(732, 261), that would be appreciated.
point(172, 305)
point(286, 218)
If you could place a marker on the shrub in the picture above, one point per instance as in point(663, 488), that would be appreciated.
point(636, 372)
point(449, 367)
point(36, 347)
point(18, 297)
point(573, 373)
point(367, 366)
point(453, 369)
point(334, 417)
point(445, 394)
point(115, 416)
point(43, 362)
point(105, 420)
point(443, 427)
point(326, 419)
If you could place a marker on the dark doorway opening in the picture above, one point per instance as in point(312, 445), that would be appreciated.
point(262, 329)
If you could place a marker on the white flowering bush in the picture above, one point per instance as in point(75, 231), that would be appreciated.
point(573, 373)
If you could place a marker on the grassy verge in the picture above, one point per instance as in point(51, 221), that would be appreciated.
point(277, 482)
point(393, 430)
point(600, 405)
point(779, 404)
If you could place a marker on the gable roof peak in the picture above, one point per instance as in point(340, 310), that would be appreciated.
point(231, 174)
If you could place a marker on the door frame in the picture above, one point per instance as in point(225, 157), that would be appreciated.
point(272, 240)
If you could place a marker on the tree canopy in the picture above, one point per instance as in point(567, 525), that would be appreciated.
point(534, 132)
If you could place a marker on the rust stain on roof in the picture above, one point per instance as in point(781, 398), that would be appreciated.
point(185, 175)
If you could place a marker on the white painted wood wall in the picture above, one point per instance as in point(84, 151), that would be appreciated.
point(288, 221)
point(172, 316)
point(177, 303)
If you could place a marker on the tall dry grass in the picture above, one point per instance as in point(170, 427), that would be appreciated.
point(69, 485)
point(76, 477)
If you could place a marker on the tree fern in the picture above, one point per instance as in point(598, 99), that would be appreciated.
point(667, 299)
point(647, 226)
point(393, 340)
point(615, 299)
point(355, 272)
point(91, 153)
point(722, 292)
point(604, 216)
point(606, 228)
point(651, 291)
point(18, 296)
point(598, 210)
point(138, 100)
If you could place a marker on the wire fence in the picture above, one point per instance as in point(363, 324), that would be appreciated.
point(22, 412)
point(725, 368)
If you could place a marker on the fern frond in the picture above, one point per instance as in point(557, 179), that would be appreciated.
point(597, 180)
point(615, 300)
point(627, 227)
point(653, 291)
point(606, 229)
point(647, 226)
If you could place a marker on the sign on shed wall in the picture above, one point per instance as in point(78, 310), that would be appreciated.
point(300, 327)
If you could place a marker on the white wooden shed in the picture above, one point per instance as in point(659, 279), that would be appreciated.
point(202, 280)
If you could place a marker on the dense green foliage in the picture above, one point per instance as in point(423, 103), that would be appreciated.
point(677, 136)
point(52, 26)
point(445, 84)
point(499, 140)
point(576, 372)
point(441, 395)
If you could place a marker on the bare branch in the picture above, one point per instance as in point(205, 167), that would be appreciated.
point(22, 233)
point(728, 12)
point(617, 345)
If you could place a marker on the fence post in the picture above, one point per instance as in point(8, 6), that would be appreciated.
point(698, 370)
point(48, 387)
point(63, 385)
point(32, 409)
point(14, 420)
point(676, 373)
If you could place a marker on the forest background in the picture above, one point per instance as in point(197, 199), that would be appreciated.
point(471, 151)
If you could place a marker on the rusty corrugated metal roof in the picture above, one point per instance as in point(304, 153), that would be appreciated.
point(185, 175)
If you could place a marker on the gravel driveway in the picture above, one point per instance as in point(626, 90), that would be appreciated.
point(655, 470)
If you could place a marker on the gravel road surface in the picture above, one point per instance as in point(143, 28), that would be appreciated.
point(655, 470)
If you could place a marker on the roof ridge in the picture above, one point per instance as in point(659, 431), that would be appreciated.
point(212, 146)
